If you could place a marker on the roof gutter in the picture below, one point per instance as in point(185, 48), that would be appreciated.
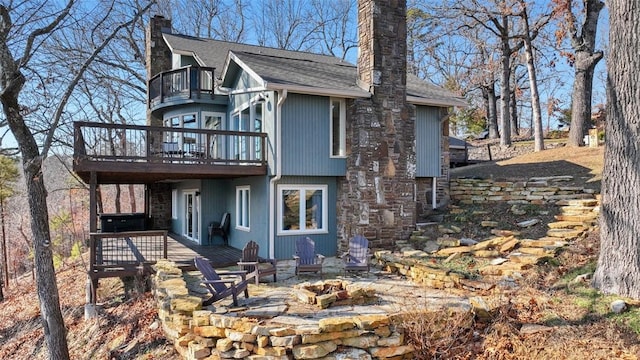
point(416, 100)
point(246, 90)
point(351, 94)
point(282, 96)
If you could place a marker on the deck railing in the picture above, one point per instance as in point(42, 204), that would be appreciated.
point(135, 143)
point(184, 83)
point(123, 251)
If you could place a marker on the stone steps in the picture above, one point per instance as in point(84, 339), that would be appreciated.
point(577, 217)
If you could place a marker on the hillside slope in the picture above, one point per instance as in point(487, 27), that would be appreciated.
point(125, 329)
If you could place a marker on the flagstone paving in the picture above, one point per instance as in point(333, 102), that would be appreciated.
point(275, 300)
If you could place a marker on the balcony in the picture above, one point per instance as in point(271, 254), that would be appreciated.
point(181, 85)
point(134, 154)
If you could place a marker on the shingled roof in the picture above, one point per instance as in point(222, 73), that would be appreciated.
point(298, 71)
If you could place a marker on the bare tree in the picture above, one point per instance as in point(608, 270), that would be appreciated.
point(25, 33)
point(214, 19)
point(529, 34)
point(584, 59)
point(335, 28)
point(494, 20)
point(285, 24)
point(618, 270)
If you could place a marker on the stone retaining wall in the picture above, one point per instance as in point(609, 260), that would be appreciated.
point(535, 191)
point(414, 266)
point(480, 150)
point(203, 334)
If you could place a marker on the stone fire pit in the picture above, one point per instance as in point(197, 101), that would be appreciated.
point(333, 293)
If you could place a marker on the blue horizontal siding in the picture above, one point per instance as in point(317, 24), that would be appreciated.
point(428, 140)
point(306, 137)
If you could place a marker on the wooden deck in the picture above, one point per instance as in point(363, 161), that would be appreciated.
point(135, 154)
point(182, 251)
point(133, 253)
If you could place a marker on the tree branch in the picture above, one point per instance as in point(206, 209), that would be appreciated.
point(70, 88)
point(42, 31)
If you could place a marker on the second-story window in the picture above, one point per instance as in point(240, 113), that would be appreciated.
point(248, 119)
point(338, 127)
point(182, 142)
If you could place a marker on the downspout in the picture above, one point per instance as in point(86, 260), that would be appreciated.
point(434, 197)
point(434, 188)
point(282, 96)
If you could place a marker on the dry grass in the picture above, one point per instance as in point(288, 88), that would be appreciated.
point(588, 158)
point(584, 164)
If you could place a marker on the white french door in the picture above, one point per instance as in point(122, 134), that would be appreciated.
point(191, 216)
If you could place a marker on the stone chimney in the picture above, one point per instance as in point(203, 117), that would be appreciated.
point(377, 196)
point(158, 55)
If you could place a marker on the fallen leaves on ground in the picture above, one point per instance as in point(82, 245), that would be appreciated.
point(124, 328)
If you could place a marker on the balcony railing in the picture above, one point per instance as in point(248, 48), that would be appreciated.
point(109, 147)
point(184, 83)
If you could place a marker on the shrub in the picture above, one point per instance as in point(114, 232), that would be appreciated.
point(440, 337)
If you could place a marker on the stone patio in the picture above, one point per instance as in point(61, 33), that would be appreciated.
point(277, 302)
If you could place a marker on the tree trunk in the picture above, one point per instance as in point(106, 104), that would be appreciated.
point(5, 261)
point(489, 93)
point(515, 120)
point(132, 198)
point(99, 204)
point(52, 321)
point(505, 121)
point(538, 135)
point(618, 270)
point(583, 42)
point(117, 199)
point(581, 99)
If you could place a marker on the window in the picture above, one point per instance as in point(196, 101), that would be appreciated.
point(181, 140)
point(338, 128)
point(247, 147)
point(174, 204)
point(306, 216)
point(242, 207)
point(215, 144)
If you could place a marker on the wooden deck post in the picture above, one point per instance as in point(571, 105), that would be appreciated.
point(92, 284)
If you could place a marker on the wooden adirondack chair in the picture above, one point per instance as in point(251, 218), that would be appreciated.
point(358, 257)
point(221, 288)
point(220, 228)
point(306, 258)
point(254, 265)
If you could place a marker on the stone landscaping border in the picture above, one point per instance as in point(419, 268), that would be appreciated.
point(536, 191)
point(203, 334)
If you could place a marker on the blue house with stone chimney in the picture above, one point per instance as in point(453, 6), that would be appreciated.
point(288, 143)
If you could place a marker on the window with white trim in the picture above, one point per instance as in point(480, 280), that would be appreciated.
point(338, 127)
point(182, 141)
point(302, 209)
point(242, 207)
point(214, 121)
point(174, 204)
point(247, 118)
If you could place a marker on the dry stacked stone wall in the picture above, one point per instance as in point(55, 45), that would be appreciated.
point(538, 191)
point(492, 150)
point(202, 334)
